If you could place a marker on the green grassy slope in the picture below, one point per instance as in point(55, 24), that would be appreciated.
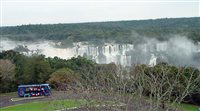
point(48, 105)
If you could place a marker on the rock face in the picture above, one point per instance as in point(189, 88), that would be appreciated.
point(150, 53)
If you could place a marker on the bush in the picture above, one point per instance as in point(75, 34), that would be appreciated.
point(64, 79)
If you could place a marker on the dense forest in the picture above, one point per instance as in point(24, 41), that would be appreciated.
point(119, 31)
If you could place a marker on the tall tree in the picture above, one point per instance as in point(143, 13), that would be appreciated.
point(7, 75)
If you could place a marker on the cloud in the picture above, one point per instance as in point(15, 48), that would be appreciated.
point(15, 13)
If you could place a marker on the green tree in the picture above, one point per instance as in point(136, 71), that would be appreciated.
point(64, 79)
point(34, 69)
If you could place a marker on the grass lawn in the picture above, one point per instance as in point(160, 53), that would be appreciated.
point(188, 107)
point(70, 103)
point(45, 105)
point(55, 105)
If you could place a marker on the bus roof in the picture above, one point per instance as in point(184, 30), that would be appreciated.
point(32, 85)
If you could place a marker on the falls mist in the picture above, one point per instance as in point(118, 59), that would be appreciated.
point(177, 50)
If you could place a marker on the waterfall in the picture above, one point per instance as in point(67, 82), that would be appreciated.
point(125, 54)
point(153, 60)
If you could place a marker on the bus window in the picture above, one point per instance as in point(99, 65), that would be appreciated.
point(21, 92)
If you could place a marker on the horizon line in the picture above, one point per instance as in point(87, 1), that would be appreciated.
point(99, 1)
point(85, 22)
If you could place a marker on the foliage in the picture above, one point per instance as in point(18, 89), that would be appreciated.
point(57, 63)
point(97, 32)
point(37, 69)
point(29, 70)
point(164, 82)
point(82, 66)
point(79, 63)
point(63, 79)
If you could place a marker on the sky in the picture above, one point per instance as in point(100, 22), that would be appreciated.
point(22, 12)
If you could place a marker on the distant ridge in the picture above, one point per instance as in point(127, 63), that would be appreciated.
point(118, 31)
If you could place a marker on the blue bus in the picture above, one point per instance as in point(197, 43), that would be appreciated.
point(33, 90)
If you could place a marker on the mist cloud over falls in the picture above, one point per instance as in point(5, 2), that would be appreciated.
point(178, 50)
